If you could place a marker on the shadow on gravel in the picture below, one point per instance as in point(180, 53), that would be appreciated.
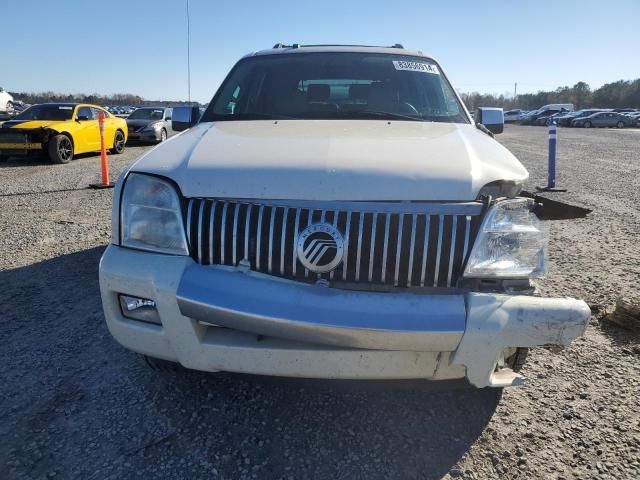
point(39, 159)
point(76, 404)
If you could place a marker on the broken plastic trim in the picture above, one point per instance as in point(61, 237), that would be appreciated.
point(547, 209)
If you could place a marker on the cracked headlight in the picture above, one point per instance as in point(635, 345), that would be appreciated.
point(510, 244)
point(151, 216)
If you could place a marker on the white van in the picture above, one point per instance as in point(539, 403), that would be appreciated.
point(556, 106)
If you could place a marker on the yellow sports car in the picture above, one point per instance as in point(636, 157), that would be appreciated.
point(61, 130)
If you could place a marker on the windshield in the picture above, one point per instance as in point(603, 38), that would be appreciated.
point(147, 114)
point(336, 86)
point(46, 112)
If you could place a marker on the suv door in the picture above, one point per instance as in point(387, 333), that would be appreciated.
point(87, 135)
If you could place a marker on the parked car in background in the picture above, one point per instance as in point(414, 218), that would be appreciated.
point(513, 115)
point(565, 120)
point(6, 103)
point(61, 130)
point(531, 118)
point(602, 119)
point(547, 119)
point(150, 124)
point(623, 110)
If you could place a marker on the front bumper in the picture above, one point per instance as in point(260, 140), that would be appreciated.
point(22, 141)
point(144, 136)
point(219, 318)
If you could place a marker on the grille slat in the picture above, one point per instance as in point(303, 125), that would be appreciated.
point(395, 247)
point(200, 214)
point(247, 234)
point(224, 231)
point(436, 273)
point(452, 249)
point(283, 239)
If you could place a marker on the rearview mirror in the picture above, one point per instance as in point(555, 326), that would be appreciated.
point(491, 118)
point(183, 118)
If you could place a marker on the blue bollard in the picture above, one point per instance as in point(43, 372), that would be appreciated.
point(551, 173)
point(551, 180)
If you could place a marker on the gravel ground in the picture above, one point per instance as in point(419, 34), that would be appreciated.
point(74, 404)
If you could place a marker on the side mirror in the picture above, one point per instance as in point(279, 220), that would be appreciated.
point(183, 118)
point(82, 118)
point(491, 118)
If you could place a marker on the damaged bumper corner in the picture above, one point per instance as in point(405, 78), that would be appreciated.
point(496, 322)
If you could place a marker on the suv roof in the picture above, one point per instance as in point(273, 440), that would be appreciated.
point(280, 48)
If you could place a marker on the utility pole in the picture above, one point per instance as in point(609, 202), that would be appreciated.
point(515, 91)
point(188, 54)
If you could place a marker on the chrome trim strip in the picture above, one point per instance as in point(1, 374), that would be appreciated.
point(359, 251)
point(434, 208)
point(247, 234)
point(309, 222)
point(283, 238)
point(385, 247)
point(425, 248)
point(467, 233)
point(373, 245)
point(200, 214)
point(335, 224)
point(212, 221)
point(346, 245)
point(296, 227)
point(398, 249)
point(271, 225)
point(235, 234)
point(189, 212)
point(436, 273)
point(223, 231)
point(259, 236)
point(412, 248)
point(454, 227)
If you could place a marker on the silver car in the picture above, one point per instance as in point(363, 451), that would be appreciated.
point(150, 124)
point(602, 119)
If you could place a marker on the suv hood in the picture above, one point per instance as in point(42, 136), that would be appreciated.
point(332, 160)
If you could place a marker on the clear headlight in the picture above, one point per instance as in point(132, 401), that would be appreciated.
point(154, 126)
point(151, 216)
point(510, 244)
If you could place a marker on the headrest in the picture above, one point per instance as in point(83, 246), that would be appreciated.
point(358, 92)
point(318, 92)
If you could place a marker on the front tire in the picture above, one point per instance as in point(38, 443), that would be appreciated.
point(118, 143)
point(588, 124)
point(516, 361)
point(620, 124)
point(163, 136)
point(60, 149)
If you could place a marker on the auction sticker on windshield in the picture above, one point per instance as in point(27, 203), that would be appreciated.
point(415, 66)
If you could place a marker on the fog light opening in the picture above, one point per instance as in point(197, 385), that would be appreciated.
point(141, 309)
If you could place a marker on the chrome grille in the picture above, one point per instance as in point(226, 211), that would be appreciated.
point(398, 244)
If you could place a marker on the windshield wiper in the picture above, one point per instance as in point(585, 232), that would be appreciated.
point(366, 114)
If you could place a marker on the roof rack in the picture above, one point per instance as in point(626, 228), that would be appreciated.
point(297, 45)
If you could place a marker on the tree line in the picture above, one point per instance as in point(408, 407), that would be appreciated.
point(96, 99)
point(620, 94)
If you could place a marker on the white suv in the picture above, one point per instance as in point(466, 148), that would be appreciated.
point(335, 213)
